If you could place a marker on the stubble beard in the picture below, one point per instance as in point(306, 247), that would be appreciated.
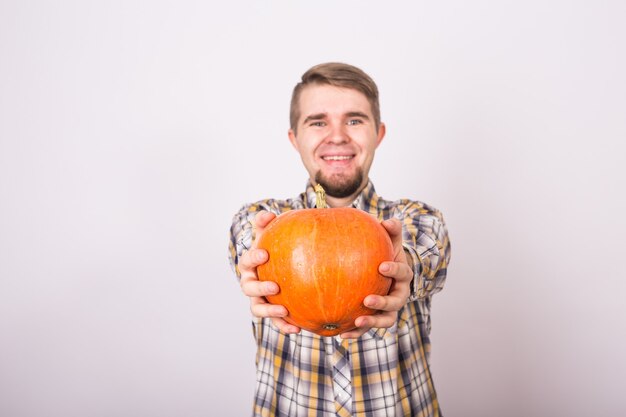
point(340, 186)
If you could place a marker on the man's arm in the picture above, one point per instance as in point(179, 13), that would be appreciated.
point(388, 305)
point(422, 253)
point(247, 226)
point(426, 242)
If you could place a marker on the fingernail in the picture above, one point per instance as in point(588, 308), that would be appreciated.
point(371, 303)
point(271, 287)
point(385, 267)
point(362, 323)
point(260, 255)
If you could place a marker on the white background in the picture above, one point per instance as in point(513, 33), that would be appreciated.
point(130, 132)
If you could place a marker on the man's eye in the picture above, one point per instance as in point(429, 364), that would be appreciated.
point(354, 122)
point(318, 124)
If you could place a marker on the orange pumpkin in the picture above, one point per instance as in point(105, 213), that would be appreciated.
point(325, 262)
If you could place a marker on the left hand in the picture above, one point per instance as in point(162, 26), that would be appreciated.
point(401, 273)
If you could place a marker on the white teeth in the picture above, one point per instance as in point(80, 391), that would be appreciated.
point(337, 158)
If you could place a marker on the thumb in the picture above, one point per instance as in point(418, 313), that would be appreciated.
point(261, 220)
point(394, 229)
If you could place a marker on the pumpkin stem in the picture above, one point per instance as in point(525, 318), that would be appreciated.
point(320, 196)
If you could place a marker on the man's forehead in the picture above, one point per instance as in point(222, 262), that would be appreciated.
point(325, 99)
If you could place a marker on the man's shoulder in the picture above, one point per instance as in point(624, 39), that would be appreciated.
point(273, 205)
point(407, 205)
point(370, 200)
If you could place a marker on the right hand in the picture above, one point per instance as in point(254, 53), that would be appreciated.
point(258, 290)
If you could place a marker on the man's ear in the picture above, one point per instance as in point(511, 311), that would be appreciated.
point(382, 129)
point(292, 139)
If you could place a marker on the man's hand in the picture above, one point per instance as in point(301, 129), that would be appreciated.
point(257, 290)
point(401, 273)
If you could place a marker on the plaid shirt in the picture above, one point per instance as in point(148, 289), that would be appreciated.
point(389, 373)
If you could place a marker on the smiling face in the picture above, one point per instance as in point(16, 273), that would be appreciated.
point(336, 137)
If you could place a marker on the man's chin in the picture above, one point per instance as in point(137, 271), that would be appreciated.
point(340, 186)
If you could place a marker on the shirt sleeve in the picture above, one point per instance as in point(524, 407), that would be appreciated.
point(425, 240)
point(242, 229)
point(241, 235)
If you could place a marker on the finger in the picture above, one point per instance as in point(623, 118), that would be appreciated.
point(399, 292)
point(256, 288)
point(399, 271)
point(259, 307)
point(382, 320)
point(365, 323)
point(261, 220)
point(394, 229)
point(355, 333)
point(251, 259)
point(285, 327)
point(387, 303)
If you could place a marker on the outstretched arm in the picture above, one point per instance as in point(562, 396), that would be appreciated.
point(245, 262)
point(419, 270)
point(401, 273)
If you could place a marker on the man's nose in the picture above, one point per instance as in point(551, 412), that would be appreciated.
point(338, 134)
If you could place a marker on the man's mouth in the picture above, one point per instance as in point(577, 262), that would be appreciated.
point(337, 157)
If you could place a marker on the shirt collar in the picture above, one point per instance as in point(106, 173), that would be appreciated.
point(363, 201)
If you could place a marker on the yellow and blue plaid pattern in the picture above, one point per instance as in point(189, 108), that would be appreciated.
point(298, 374)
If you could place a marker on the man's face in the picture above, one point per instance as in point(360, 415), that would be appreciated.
point(336, 138)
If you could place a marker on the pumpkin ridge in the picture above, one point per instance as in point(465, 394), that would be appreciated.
point(317, 281)
point(333, 319)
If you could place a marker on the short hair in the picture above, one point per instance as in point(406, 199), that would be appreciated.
point(339, 75)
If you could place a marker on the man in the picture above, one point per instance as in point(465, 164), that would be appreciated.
point(382, 367)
